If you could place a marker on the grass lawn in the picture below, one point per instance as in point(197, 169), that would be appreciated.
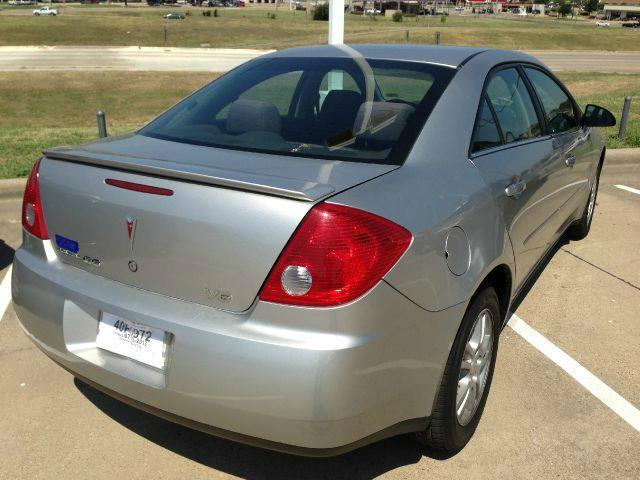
point(42, 109)
point(250, 27)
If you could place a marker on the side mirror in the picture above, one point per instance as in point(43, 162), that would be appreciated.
point(595, 116)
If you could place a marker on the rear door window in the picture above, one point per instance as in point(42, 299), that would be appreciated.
point(513, 106)
point(486, 133)
point(558, 107)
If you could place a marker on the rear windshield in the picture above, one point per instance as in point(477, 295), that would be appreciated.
point(334, 108)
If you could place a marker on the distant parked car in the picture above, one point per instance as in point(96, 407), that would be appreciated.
point(521, 14)
point(602, 24)
point(45, 11)
point(634, 24)
point(372, 11)
point(174, 16)
point(459, 8)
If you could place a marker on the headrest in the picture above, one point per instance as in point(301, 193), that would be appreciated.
point(386, 120)
point(253, 116)
point(340, 102)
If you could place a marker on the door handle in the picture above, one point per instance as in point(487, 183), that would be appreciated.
point(570, 160)
point(516, 188)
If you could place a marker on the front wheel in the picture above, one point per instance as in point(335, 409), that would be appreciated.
point(467, 377)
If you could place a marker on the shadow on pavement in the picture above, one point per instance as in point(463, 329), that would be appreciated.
point(6, 255)
point(251, 462)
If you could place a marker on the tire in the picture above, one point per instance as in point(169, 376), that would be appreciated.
point(448, 430)
point(580, 229)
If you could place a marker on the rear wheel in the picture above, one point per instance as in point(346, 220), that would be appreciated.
point(467, 377)
point(581, 228)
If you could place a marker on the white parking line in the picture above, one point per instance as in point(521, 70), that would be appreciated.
point(628, 189)
point(584, 377)
point(5, 292)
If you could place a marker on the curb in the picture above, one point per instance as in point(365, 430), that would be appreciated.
point(622, 155)
point(14, 187)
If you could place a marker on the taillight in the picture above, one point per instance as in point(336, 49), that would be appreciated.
point(32, 213)
point(337, 254)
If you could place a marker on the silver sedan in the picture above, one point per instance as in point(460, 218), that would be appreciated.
point(315, 251)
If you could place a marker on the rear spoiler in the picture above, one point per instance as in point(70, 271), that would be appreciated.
point(268, 184)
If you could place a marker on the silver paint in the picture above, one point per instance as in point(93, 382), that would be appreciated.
point(311, 377)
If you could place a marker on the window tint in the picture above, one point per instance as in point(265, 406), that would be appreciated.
point(310, 107)
point(338, 80)
point(513, 106)
point(277, 90)
point(486, 134)
point(403, 85)
point(558, 107)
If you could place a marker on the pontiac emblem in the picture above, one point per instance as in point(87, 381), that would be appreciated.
point(131, 230)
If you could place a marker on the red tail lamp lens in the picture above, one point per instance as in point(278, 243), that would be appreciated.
point(337, 254)
point(32, 213)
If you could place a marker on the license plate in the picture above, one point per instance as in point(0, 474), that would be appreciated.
point(133, 340)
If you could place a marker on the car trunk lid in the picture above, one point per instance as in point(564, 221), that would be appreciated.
point(212, 241)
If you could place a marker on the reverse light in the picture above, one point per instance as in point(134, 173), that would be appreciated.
point(32, 213)
point(337, 254)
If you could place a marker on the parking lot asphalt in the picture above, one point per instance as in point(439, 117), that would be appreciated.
point(539, 422)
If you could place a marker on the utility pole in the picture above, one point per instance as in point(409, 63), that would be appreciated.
point(336, 22)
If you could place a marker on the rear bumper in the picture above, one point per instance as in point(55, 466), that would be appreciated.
point(307, 381)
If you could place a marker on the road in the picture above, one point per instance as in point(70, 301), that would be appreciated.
point(539, 422)
point(220, 60)
point(123, 58)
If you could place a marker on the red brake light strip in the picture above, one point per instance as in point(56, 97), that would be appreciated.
point(139, 187)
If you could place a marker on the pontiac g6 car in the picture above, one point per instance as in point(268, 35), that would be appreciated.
point(318, 249)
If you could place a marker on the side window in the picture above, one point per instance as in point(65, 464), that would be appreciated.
point(557, 106)
point(337, 80)
point(485, 133)
point(514, 108)
point(277, 90)
point(403, 85)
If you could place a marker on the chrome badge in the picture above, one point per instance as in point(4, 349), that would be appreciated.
point(218, 295)
point(131, 230)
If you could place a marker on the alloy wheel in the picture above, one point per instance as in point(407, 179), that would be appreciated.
point(474, 369)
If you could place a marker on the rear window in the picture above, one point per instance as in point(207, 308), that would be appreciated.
point(334, 108)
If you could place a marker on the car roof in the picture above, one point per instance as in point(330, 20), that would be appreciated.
point(450, 56)
point(442, 55)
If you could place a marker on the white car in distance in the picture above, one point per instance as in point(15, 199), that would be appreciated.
point(45, 11)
